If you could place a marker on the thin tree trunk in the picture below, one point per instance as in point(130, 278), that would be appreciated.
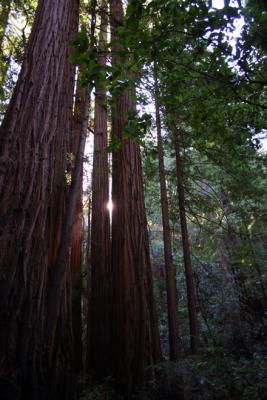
point(135, 336)
point(88, 286)
point(100, 246)
point(190, 284)
point(76, 272)
point(255, 263)
point(232, 308)
point(77, 241)
point(173, 320)
point(231, 243)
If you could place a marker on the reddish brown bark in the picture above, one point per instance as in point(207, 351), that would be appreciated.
point(76, 272)
point(190, 284)
point(173, 320)
point(100, 346)
point(59, 273)
point(135, 339)
point(77, 241)
point(33, 143)
point(88, 286)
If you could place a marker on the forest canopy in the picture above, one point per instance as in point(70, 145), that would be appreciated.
point(133, 199)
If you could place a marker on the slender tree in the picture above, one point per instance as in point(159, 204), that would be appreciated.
point(135, 338)
point(190, 284)
point(76, 256)
point(88, 283)
point(173, 321)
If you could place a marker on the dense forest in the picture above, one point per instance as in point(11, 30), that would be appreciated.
point(133, 199)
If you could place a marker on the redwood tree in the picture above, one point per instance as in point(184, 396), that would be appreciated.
point(76, 256)
point(33, 142)
point(135, 339)
point(99, 354)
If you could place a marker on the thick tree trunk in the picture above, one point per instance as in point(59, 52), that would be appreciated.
point(100, 246)
point(59, 272)
point(173, 320)
point(54, 296)
point(190, 284)
point(135, 338)
point(33, 143)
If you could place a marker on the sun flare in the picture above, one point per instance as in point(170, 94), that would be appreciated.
point(110, 206)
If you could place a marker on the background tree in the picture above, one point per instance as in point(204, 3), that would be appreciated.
point(173, 321)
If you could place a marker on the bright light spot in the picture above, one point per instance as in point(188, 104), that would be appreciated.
point(219, 4)
point(263, 149)
point(110, 206)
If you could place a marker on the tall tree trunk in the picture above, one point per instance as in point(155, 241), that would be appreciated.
point(135, 337)
point(88, 286)
point(100, 246)
point(77, 240)
point(54, 296)
point(33, 143)
point(190, 284)
point(173, 320)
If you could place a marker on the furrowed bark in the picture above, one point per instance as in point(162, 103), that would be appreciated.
point(33, 142)
point(100, 331)
point(135, 338)
point(54, 297)
point(59, 269)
